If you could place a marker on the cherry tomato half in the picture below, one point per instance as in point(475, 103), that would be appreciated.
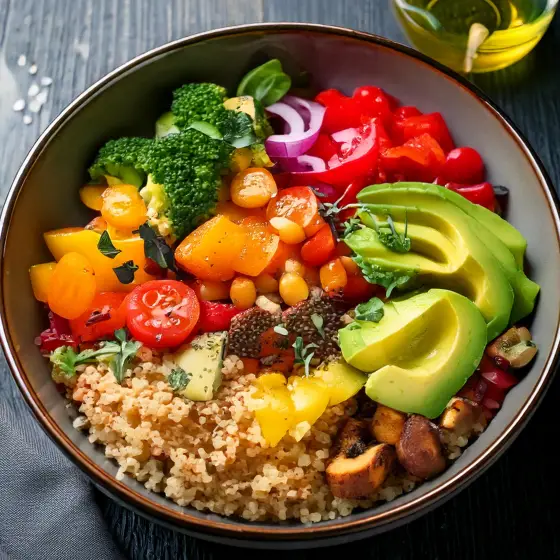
point(463, 165)
point(162, 313)
point(106, 314)
point(298, 204)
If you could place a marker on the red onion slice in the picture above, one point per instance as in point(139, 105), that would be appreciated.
point(302, 164)
point(299, 140)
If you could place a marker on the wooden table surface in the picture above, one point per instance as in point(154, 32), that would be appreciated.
point(511, 511)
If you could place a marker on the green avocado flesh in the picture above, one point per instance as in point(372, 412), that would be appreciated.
point(450, 248)
point(420, 353)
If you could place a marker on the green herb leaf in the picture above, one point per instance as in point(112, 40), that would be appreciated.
point(307, 363)
point(206, 128)
point(126, 351)
point(354, 326)
point(389, 236)
point(280, 329)
point(318, 322)
point(371, 310)
point(178, 379)
point(389, 279)
point(350, 226)
point(302, 354)
point(65, 360)
point(267, 83)
point(125, 272)
point(106, 247)
point(238, 129)
point(156, 248)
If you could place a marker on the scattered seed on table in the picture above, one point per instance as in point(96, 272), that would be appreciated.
point(27, 119)
point(33, 69)
point(21, 60)
point(46, 81)
point(19, 105)
point(33, 90)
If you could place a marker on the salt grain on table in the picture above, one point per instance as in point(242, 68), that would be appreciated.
point(27, 119)
point(46, 81)
point(19, 105)
point(33, 90)
point(21, 60)
point(33, 69)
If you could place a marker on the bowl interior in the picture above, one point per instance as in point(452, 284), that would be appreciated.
point(129, 101)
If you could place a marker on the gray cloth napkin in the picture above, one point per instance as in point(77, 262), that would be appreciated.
point(47, 506)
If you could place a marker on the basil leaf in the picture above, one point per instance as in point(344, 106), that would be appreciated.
point(178, 379)
point(238, 129)
point(106, 247)
point(156, 248)
point(267, 83)
point(125, 272)
point(371, 310)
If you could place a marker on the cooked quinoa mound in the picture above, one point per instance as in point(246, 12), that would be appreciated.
point(211, 455)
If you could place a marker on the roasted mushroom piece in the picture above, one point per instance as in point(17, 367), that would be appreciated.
point(461, 415)
point(357, 471)
point(387, 425)
point(515, 346)
point(419, 449)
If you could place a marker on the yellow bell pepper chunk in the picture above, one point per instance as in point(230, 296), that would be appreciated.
point(310, 399)
point(275, 414)
point(342, 381)
point(92, 196)
point(83, 241)
point(40, 275)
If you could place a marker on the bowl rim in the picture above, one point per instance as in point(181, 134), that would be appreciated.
point(228, 527)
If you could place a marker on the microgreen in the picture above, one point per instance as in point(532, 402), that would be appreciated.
point(318, 322)
point(302, 354)
point(371, 310)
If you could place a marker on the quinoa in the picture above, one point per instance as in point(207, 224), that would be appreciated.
point(211, 455)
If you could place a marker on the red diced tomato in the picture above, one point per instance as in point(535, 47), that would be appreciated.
point(106, 314)
point(406, 112)
point(318, 249)
point(373, 102)
point(215, 316)
point(419, 159)
point(482, 194)
point(325, 147)
point(342, 112)
point(463, 165)
point(432, 124)
point(358, 289)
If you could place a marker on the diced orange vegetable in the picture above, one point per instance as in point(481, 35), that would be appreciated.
point(211, 290)
point(237, 214)
point(283, 253)
point(253, 188)
point(84, 241)
point(314, 226)
point(92, 196)
point(40, 275)
point(243, 292)
point(123, 207)
point(352, 269)
point(333, 276)
point(298, 204)
point(208, 252)
point(72, 286)
point(258, 248)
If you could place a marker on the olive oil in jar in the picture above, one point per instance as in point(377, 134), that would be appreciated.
point(475, 35)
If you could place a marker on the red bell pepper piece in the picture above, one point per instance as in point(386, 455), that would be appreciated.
point(374, 102)
point(318, 249)
point(359, 160)
point(482, 194)
point(432, 124)
point(419, 159)
point(215, 316)
point(405, 112)
point(342, 112)
point(463, 165)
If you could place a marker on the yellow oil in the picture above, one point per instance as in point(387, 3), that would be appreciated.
point(443, 29)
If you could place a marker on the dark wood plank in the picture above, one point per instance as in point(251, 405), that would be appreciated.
point(510, 511)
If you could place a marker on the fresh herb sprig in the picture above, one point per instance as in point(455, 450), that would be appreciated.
point(389, 236)
point(303, 355)
point(371, 310)
point(389, 279)
point(178, 379)
point(155, 247)
point(127, 349)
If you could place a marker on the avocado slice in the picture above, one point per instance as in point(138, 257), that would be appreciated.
point(202, 358)
point(421, 353)
point(492, 230)
point(445, 251)
point(510, 236)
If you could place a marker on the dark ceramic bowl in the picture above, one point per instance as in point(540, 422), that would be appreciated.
point(127, 102)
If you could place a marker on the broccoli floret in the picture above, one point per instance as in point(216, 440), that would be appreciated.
point(123, 159)
point(199, 102)
point(188, 166)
